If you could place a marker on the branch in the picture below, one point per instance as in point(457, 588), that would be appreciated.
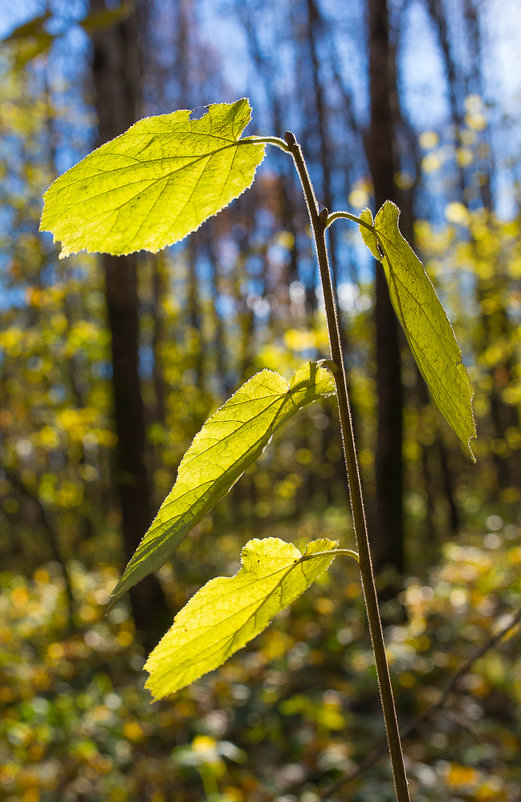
point(381, 749)
point(16, 480)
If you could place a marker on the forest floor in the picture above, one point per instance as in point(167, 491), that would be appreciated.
point(287, 716)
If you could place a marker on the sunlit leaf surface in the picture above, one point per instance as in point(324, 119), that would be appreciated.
point(228, 612)
point(154, 184)
point(229, 442)
point(426, 326)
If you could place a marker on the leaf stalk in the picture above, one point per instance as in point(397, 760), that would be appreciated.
point(264, 140)
point(348, 216)
point(331, 553)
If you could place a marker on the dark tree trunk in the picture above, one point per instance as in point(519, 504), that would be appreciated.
point(462, 81)
point(116, 75)
point(315, 27)
point(219, 332)
point(158, 292)
point(388, 531)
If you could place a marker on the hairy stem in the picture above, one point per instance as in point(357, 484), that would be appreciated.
point(319, 222)
point(331, 553)
point(347, 216)
point(263, 140)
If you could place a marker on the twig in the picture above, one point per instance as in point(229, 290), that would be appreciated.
point(381, 749)
point(54, 544)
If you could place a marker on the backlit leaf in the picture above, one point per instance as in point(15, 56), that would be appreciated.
point(229, 442)
point(154, 184)
point(33, 28)
point(101, 20)
point(426, 326)
point(229, 611)
point(32, 47)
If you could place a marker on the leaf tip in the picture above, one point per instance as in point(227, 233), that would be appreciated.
point(367, 216)
point(469, 446)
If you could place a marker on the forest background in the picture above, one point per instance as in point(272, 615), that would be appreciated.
point(109, 366)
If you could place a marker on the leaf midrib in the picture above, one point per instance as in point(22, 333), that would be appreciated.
point(110, 154)
point(258, 603)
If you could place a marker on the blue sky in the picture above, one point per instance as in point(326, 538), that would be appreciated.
point(421, 66)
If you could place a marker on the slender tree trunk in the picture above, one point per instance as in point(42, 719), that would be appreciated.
point(315, 27)
point(498, 325)
point(461, 81)
point(388, 529)
point(158, 292)
point(219, 333)
point(116, 81)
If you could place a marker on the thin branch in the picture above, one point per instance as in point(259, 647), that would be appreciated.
point(381, 749)
point(54, 544)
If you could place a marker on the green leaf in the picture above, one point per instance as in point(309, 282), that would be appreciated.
point(30, 40)
point(229, 611)
point(33, 28)
point(229, 442)
point(426, 326)
point(101, 20)
point(32, 47)
point(154, 184)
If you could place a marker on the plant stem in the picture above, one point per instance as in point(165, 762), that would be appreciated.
point(347, 216)
point(263, 140)
point(332, 553)
point(319, 221)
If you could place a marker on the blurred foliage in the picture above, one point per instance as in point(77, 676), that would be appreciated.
point(298, 708)
point(287, 715)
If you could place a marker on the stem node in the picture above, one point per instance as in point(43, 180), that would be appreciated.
point(324, 214)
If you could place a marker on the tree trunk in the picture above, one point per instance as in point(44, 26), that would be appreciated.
point(388, 530)
point(461, 81)
point(158, 292)
point(116, 80)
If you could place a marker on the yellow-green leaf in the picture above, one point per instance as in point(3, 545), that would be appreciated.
point(33, 28)
point(101, 20)
point(229, 442)
point(229, 611)
point(154, 184)
point(426, 326)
